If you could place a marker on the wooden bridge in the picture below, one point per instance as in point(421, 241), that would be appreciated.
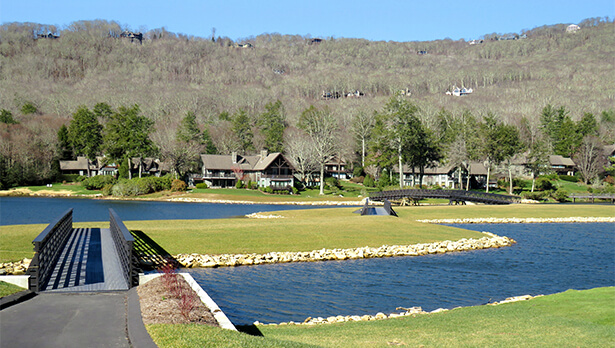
point(592, 197)
point(454, 196)
point(83, 259)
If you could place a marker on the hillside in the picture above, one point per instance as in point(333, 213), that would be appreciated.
point(169, 75)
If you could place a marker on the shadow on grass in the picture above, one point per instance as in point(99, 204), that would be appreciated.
point(250, 330)
point(150, 254)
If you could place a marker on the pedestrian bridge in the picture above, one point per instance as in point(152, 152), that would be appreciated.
point(83, 259)
point(454, 196)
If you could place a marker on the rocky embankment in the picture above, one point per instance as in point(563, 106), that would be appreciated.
point(225, 201)
point(514, 220)
point(15, 268)
point(490, 240)
point(413, 311)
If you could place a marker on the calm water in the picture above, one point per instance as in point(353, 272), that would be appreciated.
point(33, 210)
point(548, 258)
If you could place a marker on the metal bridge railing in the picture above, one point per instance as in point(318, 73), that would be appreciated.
point(452, 195)
point(124, 244)
point(47, 248)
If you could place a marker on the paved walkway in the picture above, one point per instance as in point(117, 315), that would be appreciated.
point(110, 319)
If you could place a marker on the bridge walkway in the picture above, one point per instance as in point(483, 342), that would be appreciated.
point(89, 262)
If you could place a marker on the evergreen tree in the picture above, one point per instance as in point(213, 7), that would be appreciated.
point(85, 133)
point(272, 124)
point(65, 150)
point(188, 129)
point(127, 135)
point(243, 131)
point(7, 117)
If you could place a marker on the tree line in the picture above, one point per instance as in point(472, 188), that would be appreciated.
point(376, 142)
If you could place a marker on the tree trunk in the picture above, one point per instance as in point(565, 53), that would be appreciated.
point(401, 170)
point(488, 174)
point(460, 178)
point(322, 178)
point(129, 169)
point(510, 185)
point(533, 180)
point(140, 166)
point(363, 153)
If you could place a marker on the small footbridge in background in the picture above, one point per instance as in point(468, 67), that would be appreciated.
point(454, 196)
point(83, 259)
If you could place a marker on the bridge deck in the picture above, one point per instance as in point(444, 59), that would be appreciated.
point(89, 262)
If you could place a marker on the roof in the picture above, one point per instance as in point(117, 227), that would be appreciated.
point(80, 164)
point(225, 162)
point(557, 160)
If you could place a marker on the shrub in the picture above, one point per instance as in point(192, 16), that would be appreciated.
point(69, 177)
point(239, 184)
point(544, 184)
point(357, 171)
point(561, 195)
point(201, 185)
point(536, 196)
point(107, 190)
point(178, 186)
point(369, 181)
point(28, 108)
point(357, 179)
point(97, 182)
point(568, 178)
point(332, 183)
point(295, 191)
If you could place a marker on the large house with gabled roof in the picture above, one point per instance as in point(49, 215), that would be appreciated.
point(266, 169)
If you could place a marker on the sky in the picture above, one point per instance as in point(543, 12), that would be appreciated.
point(376, 20)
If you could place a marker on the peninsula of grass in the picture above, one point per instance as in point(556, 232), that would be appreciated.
point(569, 319)
point(306, 230)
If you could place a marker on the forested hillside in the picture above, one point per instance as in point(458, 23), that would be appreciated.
point(44, 81)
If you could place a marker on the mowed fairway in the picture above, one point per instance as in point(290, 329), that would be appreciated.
point(569, 319)
point(306, 230)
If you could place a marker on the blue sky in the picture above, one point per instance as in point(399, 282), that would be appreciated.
point(386, 20)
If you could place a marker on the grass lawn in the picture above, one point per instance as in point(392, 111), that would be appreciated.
point(305, 230)
point(9, 289)
point(60, 189)
point(569, 319)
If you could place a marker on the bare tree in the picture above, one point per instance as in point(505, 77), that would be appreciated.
point(300, 153)
point(321, 127)
point(590, 158)
point(180, 155)
point(362, 128)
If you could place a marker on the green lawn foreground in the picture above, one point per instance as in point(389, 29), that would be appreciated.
point(569, 319)
point(306, 230)
point(9, 289)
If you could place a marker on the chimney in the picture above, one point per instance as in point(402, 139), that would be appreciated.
point(234, 157)
point(263, 154)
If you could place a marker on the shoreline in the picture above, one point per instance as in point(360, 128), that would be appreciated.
point(174, 199)
point(412, 311)
point(514, 220)
point(489, 241)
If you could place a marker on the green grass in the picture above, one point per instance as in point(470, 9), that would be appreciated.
point(73, 188)
point(193, 335)
point(305, 230)
point(569, 319)
point(9, 289)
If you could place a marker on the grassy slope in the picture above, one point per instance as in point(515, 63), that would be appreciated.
point(9, 289)
point(305, 230)
point(573, 318)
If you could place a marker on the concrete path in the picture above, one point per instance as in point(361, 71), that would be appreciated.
point(109, 319)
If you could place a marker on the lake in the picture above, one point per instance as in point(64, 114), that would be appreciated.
point(548, 258)
point(34, 210)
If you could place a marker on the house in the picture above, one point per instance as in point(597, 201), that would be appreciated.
point(244, 45)
point(338, 168)
point(446, 176)
point(562, 165)
point(573, 28)
point(81, 166)
point(266, 169)
point(132, 36)
point(148, 166)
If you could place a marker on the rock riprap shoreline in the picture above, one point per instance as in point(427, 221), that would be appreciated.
point(514, 220)
point(413, 311)
point(490, 240)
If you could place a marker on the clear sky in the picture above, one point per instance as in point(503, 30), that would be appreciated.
point(409, 20)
